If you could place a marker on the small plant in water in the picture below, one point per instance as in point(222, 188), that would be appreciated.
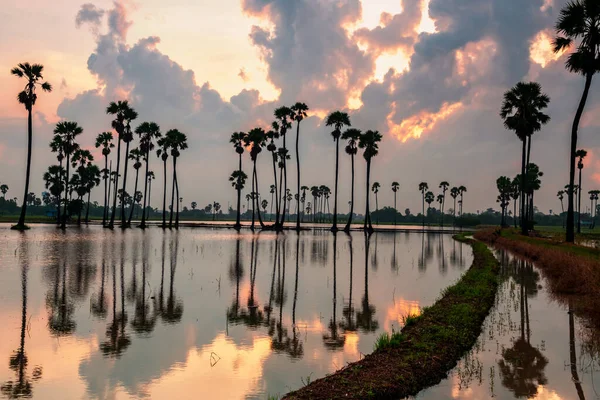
point(306, 382)
point(385, 340)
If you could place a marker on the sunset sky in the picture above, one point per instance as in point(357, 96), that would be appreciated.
point(429, 75)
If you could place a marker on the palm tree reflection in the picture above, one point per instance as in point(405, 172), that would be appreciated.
point(22, 386)
point(143, 320)
point(522, 366)
point(349, 324)
point(365, 318)
point(172, 313)
point(333, 340)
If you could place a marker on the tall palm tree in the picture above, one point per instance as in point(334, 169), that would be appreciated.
point(256, 139)
point(338, 120)
point(581, 155)
point(237, 139)
point(375, 189)
point(238, 181)
point(444, 186)
point(578, 24)
point(130, 115)
point(454, 192)
point(92, 179)
point(272, 147)
point(369, 141)
point(514, 194)
point(148, 132)
point(151, 177)
point(299, 113)
point(66, 132)
point(56, 146)
point(54, 183)
point(163, 152)
point(429, 198)
point(136, 156)
point(104, 140)
point(118, 109)
point(272, 190)
point(461, 190)
point(522, 112)
point(33, 75)
point(177, 142)
point(395, 187)
point(352, 136)
point(423, 188)
point(284, 116)
point(303, 199)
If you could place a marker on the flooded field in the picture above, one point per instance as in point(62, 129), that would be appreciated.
point(205, 313)
point(532, 346)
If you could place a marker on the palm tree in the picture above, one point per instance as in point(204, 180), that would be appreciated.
point(578, 24)
point(135, 155)
point(238, 181)
point(54, 183)
point(303, 199)
point(272, 190)
point(4, 190)
point(256, 138)
point(338, 120)
point(444, 186)
point(395, 187)
point(272, 135)
point(454, 193)
point(92, 179)
point(298, 114)
point(504, 185)
point(118, 109)
point(375, 189)
point(104, 140)
point(177, 142)
point(461, 191)
point(151, 177)
point(532, 184)
point(429, 198)
point(581, 155)
point(148, 132)
point(56, 146)
point(65, 133)
point(522, 112)
point(423, 188)
point(594, 194)
point(163, 153)
point(33, 74)
point(284, 116)
point(369, 141)
point(237, 139)
point(352, 136)
point(264, 204)
point(514, 194)
point(130, 114)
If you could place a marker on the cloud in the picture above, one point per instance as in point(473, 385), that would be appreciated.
point(89, 13)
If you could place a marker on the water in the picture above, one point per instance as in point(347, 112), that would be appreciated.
point(531, 346)
point(203, 313)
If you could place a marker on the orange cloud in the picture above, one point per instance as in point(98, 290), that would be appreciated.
point(541, 50)
point(423, 122)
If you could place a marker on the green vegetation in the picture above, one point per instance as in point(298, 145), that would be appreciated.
point(440, 335)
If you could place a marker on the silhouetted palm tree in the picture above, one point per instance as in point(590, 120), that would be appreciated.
point(299, 113)
point(461, 191)
point(54, 183)
point(119, 110)
point(238, 181)
point(130, 115)
point(522, 112)
point(581, 155)
point(33, 74)
point(271, 136)
point(151, 177)
point(91, 175)
point(256, 138)
point(303, 199)
point(454, 192)
point(352, 136)
point(338, 120)
point(423, 187)
point(578, 24)
point(444, 186)
point(135, 155)
point(148, 132)
point(369, 141)
point(163, 153)
point(177, 142)
point(66, 132)
point(284, 116)
point(237, 139)
point(104, 140)
point(395, 187)
point(429, 198)
point(375, 189)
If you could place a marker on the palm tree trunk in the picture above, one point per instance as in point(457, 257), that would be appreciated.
point(347, 228)
point(579, 204)
point(367, 224)
point(135, 186)
point(80, 199)
point(87, 211)
point(276, 192)
point(149, 197)
point(515, 212)
point(172, 197)
point(395, 210)
point(58, 216)
point(298, 173)
point(123, 220)
point(271, 217)
point(423, 210)
point(143, 223)
point(21, 223)
point(260, 221)
point(64, 220)
point(284, 191)
point(164, 216)
point(177, 200)
point(281, 209)
point(106, 177)
point(238, 224)
point(115, 194)
point(570, 216)
point(524, 227)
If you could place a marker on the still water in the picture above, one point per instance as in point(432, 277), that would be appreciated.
point(204, 313)
point(532, 346)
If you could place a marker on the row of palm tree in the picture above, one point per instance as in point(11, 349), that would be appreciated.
point(429, 197)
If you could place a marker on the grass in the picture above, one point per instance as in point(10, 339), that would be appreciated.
point(428, 346)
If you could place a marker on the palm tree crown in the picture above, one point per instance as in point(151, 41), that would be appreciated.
point(33, 74)
point(338, 120)
point(522, 109)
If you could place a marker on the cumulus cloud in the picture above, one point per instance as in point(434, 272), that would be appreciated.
point(89, 13)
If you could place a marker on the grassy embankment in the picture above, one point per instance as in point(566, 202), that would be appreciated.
point(427, 347)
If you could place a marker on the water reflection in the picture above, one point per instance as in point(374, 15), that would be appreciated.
point(128, 314)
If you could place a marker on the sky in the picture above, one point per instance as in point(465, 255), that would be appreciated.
point(428, 74)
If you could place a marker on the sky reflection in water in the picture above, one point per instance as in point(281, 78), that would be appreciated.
point(203, 313)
